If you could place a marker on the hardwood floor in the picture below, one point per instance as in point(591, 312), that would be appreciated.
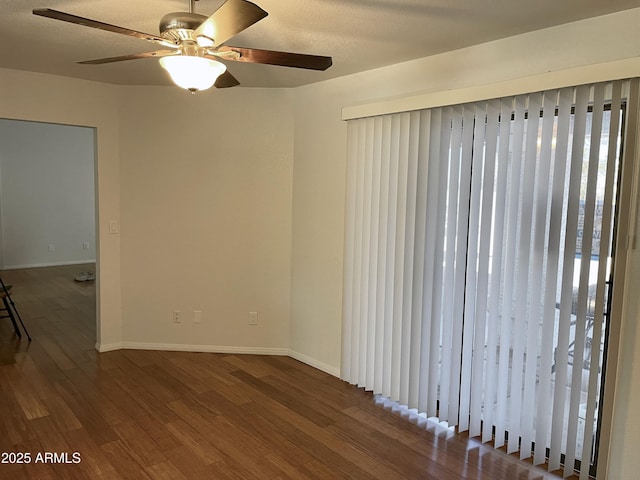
point(175, 415)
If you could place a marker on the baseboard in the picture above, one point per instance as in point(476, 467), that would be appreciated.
point(176, 347)
point(315, 363)
point(173, 347)
point(108, 347)
point(48, 264)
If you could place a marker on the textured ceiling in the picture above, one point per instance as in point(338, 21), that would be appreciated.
point(358, 34)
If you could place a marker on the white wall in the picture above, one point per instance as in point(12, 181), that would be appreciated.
point(206, 217)
point(47, 197)
point(204, 186)
point(320, 144)
point(568, 51)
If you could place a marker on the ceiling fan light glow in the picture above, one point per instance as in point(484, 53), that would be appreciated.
point(193, 73)
point(205, 42)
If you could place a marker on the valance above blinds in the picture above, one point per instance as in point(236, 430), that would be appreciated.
point(478, 264)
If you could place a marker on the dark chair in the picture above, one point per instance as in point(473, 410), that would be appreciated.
point(9, 310)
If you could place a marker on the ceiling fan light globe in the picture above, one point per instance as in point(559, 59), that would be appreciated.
point(193, 73)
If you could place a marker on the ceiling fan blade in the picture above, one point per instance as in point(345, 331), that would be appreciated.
point(226, 80)
point(67, 17)
point(157, 54)
point(230, 19)
point(284, 59)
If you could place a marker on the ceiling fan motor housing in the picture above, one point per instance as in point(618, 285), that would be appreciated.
point(179, 26)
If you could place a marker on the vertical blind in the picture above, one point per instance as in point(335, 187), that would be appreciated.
point(477, 239)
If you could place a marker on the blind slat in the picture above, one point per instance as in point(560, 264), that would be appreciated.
point(419, 268)
point(357, 267)
point(350, 222)
point(374, 226)
point(536, 321)
point(459, 263)
point(510, 242)
point(576, 428)
point(390, 287)
point(435, 185)
point(490, 133)
point(451, 204)
point(491, 402)
point(383, 221)
point(565, 317)
point(526, 202)
point(471, 276)
point(441, 351)
point(409, 267)
point(553, 264)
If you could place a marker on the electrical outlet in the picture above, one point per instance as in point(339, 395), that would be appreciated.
point(51, 247)
point(85, 245)
point(177, 316)
point(253, 318)
point(197, 316)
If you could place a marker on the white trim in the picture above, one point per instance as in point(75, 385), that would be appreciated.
point(176, 347)
point(615, 70)
point(108, 347)
point(315, 363)
point(50, 264)
point(173, 347)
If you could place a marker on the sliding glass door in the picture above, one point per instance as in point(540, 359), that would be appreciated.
point(478, 264)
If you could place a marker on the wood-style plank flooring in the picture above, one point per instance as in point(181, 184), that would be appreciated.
point(175, 415)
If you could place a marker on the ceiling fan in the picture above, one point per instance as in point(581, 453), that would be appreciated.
point(194, 44)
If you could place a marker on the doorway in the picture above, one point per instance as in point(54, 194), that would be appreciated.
point(48, 208)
